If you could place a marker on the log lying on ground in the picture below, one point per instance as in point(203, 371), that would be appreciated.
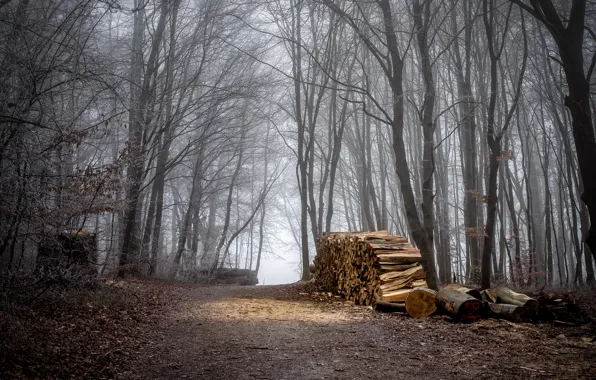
point(421, 302)
point(389, 307)
point(399, 295)
point(365, 266)
point(513, 313)
point(457, 304)
point(231, 276)
point(508, 296)
point(229, 273)
point(469, 291)
point(561, 309)
point(488, 295)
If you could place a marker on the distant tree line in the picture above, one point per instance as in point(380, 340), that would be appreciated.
point(191, 135)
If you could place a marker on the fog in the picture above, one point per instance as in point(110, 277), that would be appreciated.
point(192, 136)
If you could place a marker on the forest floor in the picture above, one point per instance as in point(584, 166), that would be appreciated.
point(157, 330)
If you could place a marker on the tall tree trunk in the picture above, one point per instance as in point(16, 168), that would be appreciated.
point(493, 136)
point(196, 193)
point(296, 47)
point(468, 137)
point(422, 20)
point(224, 234)
point(263, 209)
point(138, 124)
point(422, 236)
point(569, 37)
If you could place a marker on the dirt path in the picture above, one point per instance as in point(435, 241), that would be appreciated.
point(281, 332)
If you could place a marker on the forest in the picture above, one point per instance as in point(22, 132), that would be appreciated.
point(190, 135)
point(152, 150)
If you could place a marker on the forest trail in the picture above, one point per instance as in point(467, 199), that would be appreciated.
point(285, 332)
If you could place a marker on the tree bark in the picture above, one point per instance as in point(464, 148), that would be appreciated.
point(138, 124)
point(570, 43)
point(457, 304)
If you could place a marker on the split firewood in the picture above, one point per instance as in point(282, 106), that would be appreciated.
point(364, 266)
point(415, 272)
point(399, 257)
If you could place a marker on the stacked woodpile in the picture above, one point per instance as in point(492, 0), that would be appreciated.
point(375, 268)
point(230, 276)
point(368, 267)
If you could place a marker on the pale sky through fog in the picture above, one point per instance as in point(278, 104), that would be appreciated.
point(283, 266)
point(275, 271)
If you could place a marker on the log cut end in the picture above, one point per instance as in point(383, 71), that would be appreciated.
point(421, 302)
point(459, 305)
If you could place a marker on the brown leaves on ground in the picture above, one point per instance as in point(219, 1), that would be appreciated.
point(150, 329)
point(80, 334)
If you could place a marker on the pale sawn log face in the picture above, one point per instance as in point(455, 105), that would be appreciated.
point(421, 302)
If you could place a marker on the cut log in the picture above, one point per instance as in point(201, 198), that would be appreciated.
point(513, 313)
point(421, 302)
point(395, 284)
point(508, 296)
point(392, 267)
point(399, 258)
point(488, 295)
point(227, 273)
point(251, 280)
point(389, 307)
point(380, 249)
point(471, 292)
point(457, 304)
point(396, 295)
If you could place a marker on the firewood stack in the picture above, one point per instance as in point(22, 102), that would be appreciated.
point(231, 276)
point(364, 267)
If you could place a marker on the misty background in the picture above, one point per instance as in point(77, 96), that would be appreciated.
point(194, 135)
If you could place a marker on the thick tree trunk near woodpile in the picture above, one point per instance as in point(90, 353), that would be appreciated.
point(458, 305)
point(421, 302)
